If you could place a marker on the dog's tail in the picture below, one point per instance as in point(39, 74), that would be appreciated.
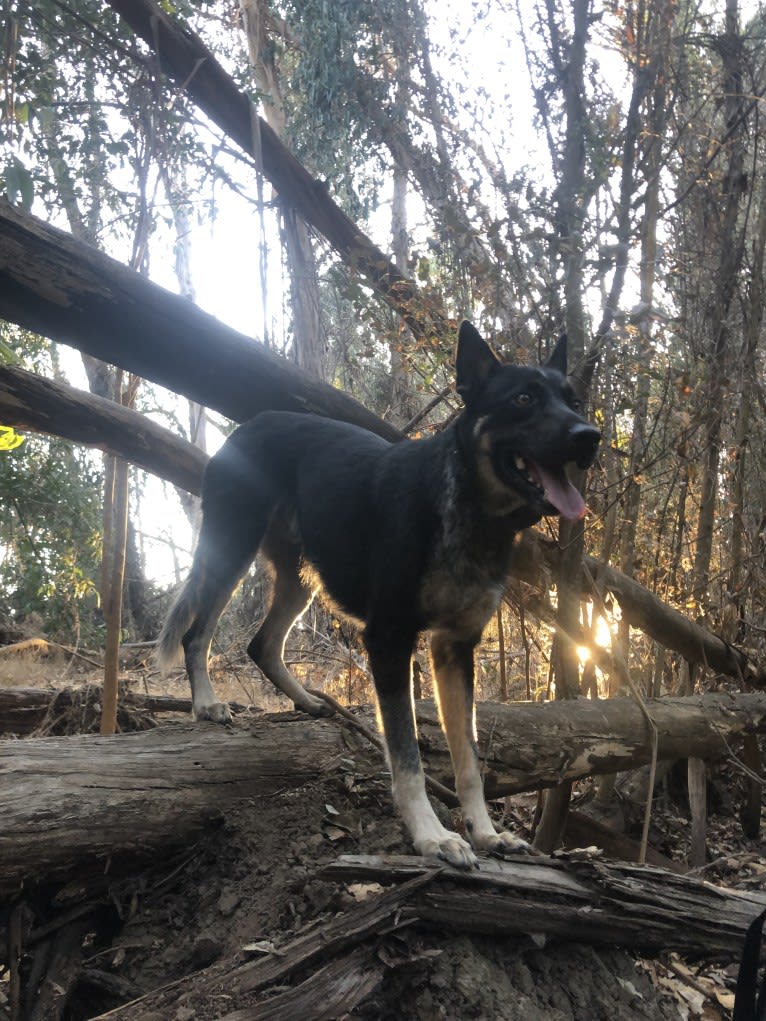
point(169, 651)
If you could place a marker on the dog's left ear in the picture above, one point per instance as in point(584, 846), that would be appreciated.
point(558, 357)
point(474, 363)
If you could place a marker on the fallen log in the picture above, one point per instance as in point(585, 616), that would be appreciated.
point(640, 608)
point(23, 710)
point(68, 802)
point(668, 626)
point(61, 288)
point(608, 904)
point(529, 745)
point(644, 909)
point(28, 401)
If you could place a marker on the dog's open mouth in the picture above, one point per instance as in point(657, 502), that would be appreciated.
point(554, 483)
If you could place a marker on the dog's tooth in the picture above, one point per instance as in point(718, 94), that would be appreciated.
point(520, 464)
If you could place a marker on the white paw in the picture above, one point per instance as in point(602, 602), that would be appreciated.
point(451, 849)
point(501, 844)
point(216, 712)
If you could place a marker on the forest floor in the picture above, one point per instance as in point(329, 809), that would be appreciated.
point(254, 882)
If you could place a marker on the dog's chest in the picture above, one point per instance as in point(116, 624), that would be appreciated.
point(465, 577)
point(458, 602)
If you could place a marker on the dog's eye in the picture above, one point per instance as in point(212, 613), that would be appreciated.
point(576, 404)
point(522, 400)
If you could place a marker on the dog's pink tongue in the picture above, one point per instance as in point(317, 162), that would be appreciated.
point(560, 492)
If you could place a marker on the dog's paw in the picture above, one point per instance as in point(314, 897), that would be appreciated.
point(503, 845)
point(313, 706)
point(215, 712)
point(451, 849)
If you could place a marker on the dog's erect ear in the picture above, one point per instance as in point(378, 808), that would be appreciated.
point(474, 363)
point(558, 357)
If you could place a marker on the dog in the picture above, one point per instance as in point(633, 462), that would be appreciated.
point(404, 537)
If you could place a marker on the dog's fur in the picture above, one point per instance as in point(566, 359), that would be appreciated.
point(404, 537)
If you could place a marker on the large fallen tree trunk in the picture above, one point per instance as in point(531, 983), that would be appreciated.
point(66, 802)
point(529, 745)
point(57, 286)
point(28, 401)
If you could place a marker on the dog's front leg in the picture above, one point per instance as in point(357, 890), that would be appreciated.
point(390, 660)
point(452, 662)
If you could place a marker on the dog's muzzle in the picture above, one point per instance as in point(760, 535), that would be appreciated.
point(584, 440)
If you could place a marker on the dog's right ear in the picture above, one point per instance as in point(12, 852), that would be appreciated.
point(474, 362)
point(558, 357)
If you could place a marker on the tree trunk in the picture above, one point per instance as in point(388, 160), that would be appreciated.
point(730, 244)
point(308, 349)
point(182, 224)
point(113, 582)
point(56, 286)
point(68, 802)
point(401, 405)
point(568, 246)
point(741, 526)
point(123, 796)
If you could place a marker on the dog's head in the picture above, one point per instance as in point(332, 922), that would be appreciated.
point(523, 426)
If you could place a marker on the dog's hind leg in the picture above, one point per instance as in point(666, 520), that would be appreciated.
point(452, 662)
point(390, 659)
point(219, 566)
point(234, 521)
point(290, 599)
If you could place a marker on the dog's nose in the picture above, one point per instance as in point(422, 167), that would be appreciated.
point(585, 440)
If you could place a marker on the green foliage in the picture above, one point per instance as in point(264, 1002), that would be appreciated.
point(340, 69)
point(50, 522)
point(19, 186)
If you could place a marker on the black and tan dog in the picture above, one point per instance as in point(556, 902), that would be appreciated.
point(404, 537)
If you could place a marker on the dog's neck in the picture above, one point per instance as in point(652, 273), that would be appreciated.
point(470, 464)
